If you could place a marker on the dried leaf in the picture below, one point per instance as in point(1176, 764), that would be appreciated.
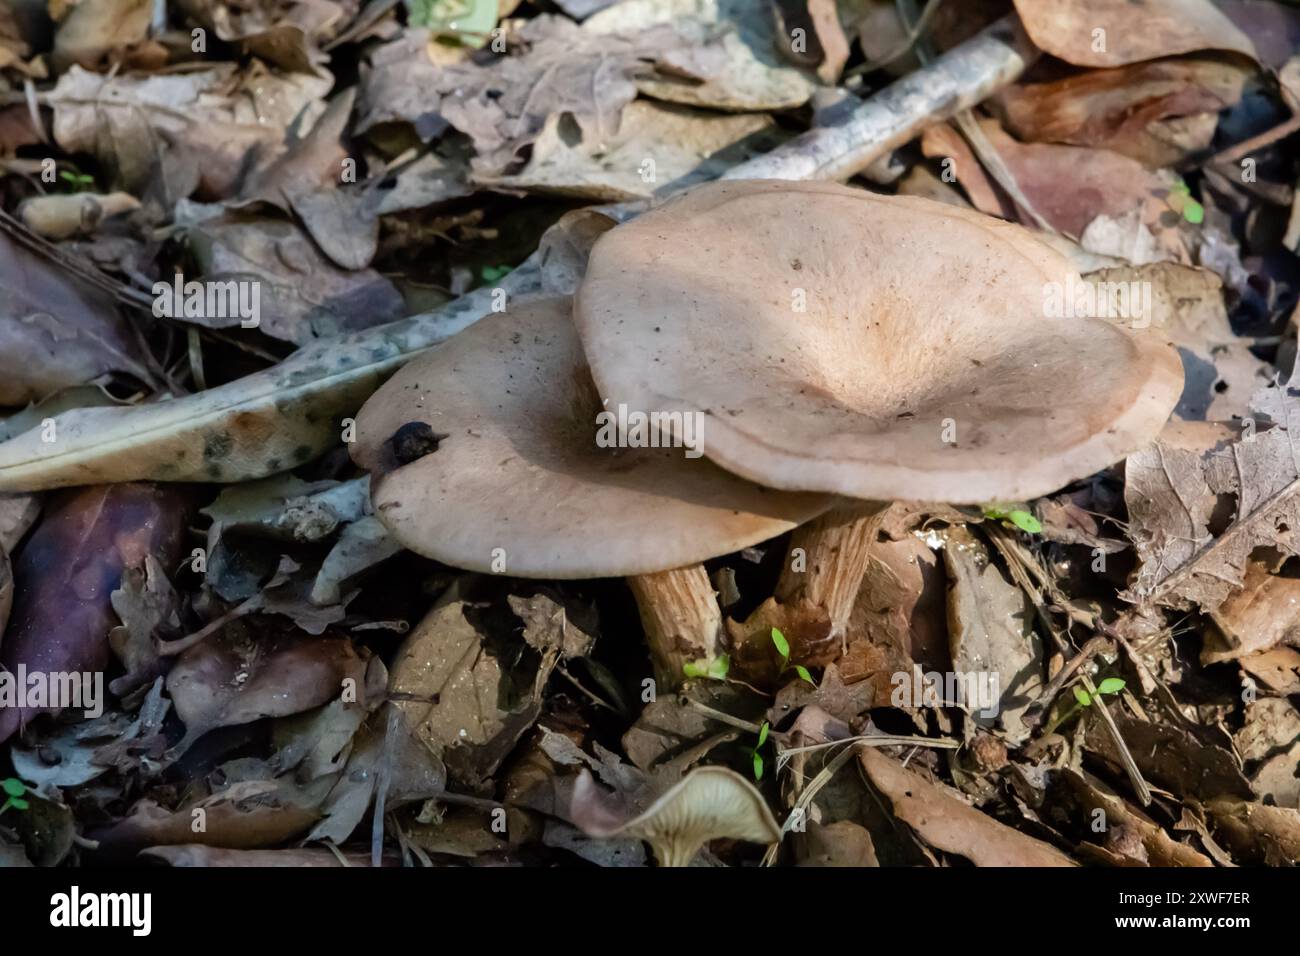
point(945, 821)
point(1144, 111)
point(742, 70)
point(68, 569)
point(1172, 492)
point(54, 333)
point(1116, 32)
point(656, 147)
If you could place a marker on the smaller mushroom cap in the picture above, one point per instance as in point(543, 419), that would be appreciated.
point(511, 478)
point(879, 347)
point(709, 803)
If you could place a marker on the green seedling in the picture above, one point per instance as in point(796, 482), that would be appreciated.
point(715, 669)
point(758, 757)
point(783, 648)
point(13, 790)
point(1082, 699)
point(79, 182)
point(1018, 517)
point(468, 22)
point(1180, 201)
point(494, 273)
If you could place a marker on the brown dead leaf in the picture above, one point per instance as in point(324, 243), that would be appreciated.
point(241, 676)
point(168, 133)
point(148, 607)
point(1278, 669)
point(825, 48)
point(55, 333)
point(1187, 763)
point(303, 295)
point(69, 567)
point(458, 696)
point(1107, 189)
point(94, 32)
point(945, 821)
point(1116, 32)
point(656, 147)
point(1172, 492)
point(246, 815)
point(1257, 833)
point(992, 637)
point(1262, 614)
point(1156, 113)
point(1128, 832)
point(726, 59)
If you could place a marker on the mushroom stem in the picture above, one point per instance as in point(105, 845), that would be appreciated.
point(681, 618)
point(827, 559)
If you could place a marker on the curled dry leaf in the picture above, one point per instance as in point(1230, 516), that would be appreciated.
point(1257, 833)
point(239, 677)
point(246, 815)
point(945, 821)
point(742, 70)
point(1156, 113)
point(173, 132)
point(91, 33)
point(1107, 187)
point(1116, 32)
point(54, 333)
point(1143, 843)
point(68, 569)
point(303, 296)
point(657, 147)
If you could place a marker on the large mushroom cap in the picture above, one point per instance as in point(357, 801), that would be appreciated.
point(923, 324)
point(512, 410)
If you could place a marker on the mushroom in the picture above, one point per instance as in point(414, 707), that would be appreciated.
point(483, 455)
point(709, 803)
point(876, 347)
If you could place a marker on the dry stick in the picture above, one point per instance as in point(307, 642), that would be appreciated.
point(285, 414)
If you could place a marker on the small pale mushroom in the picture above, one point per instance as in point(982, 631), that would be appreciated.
point(709, 803)
point(484, 456)
point(881, 348)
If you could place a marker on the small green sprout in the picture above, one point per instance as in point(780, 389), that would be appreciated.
point(468, 22)
point(783, 648)
point(1019, 517)
point(1082, 699)
point(758, 757)
point(13, 790)
point(715, 669)
point(1180, 201)
point(79, 182)
point(495, 273)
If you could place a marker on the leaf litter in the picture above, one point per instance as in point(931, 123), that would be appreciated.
point(275, 661)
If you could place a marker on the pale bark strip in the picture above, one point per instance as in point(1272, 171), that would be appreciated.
point(279, 418)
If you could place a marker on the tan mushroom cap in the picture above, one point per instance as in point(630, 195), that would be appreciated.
point(918, 316)
point(520, 470)
point(709, 803)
